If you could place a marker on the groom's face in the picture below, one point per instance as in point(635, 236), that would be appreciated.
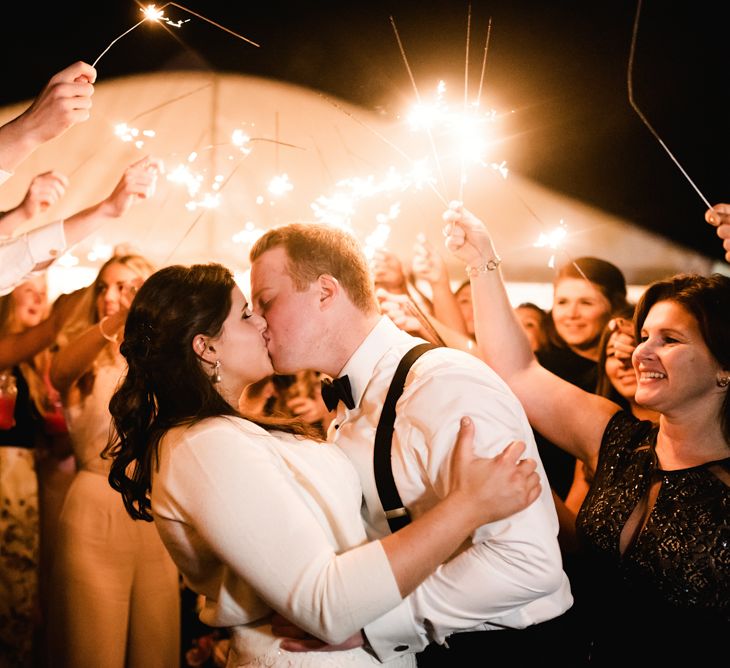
point(291, 315)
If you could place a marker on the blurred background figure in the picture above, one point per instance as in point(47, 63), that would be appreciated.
point(586, 293)
point(533, 320)
point(35, 470)
point(288, 395)
point(115, 590)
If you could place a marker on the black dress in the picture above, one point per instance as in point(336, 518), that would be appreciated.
point(667, 597)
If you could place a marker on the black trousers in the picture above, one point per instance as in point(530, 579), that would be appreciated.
point(557, 639)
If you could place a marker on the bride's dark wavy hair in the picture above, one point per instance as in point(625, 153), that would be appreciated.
point(165, 384)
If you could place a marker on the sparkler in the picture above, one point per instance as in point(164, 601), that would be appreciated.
point(151, 13)
point(641, 115)
point(418, 98)
point(466, 96)
point(386, 141)
point(222, 182)
point(419, 315)
point(552, 239)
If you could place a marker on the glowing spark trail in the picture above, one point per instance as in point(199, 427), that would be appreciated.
point(466, 97)
point(386, 141)
point(151, 13)
point(418, 99)
point(213, 23)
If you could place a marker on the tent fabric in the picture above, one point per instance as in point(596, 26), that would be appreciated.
point(189, 118)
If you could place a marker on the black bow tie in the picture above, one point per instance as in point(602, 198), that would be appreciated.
point(334, 391)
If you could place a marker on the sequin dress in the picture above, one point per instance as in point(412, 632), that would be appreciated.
point(668, 590)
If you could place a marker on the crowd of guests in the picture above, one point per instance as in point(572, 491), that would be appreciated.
point(161, 393)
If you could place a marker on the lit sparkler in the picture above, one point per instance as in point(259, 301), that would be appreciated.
point(552, 239)
point(154, 15)
point(151, 13)
point(280, 185)
point(471, 131)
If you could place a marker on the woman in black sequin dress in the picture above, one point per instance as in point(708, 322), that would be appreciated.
point(656, 522)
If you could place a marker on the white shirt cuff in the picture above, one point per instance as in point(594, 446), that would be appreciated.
point(395, 633)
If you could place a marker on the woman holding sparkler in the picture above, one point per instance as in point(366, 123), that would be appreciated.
point(655, 522)
point(115, 596)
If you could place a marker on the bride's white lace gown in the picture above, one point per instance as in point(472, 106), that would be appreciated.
point(257, 521)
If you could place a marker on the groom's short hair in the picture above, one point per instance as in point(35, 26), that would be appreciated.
point(314, 249)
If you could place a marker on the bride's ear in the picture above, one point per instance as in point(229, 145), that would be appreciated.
point(200, 345)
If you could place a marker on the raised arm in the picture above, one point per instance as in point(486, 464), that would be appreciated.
point(19, 347)
point(64, 101)
point(45, 190)
point(399, 308)
point(429, 266)
point(138, 182)
point(569, 417)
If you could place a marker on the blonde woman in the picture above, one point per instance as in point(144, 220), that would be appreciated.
point(115, 589)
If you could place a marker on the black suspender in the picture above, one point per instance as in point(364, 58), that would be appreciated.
point(396, 514)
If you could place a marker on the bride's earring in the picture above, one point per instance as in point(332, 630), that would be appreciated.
point(215, 377)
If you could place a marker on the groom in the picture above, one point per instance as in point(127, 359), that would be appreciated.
point(312, 284)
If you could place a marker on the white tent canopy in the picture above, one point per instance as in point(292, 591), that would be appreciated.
point(194, 119)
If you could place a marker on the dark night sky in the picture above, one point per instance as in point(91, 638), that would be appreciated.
point(560, 66)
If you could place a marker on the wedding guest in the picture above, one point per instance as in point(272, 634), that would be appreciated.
point(655, 521)
point(532, 318)
point(64, 101)
point(115, 590)
point(586, 292)
point(25, 254)
point(21, 433)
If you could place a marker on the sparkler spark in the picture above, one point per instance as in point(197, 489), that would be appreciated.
point(154, 15)
point(471, 130)
point(552, 239)
point(280, 185)
point(151, 13)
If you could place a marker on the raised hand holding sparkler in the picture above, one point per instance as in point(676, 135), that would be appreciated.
point(719, 216)
point(64, 101)
point(139, 181)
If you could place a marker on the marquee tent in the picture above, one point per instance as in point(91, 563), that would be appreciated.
point(242, 154)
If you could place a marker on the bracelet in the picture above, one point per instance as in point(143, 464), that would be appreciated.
point(112, 339)
point(489, 265)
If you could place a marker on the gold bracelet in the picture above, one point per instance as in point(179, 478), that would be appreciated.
point(489, 265)
point(112, 339)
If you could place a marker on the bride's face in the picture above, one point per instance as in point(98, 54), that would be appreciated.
point(241, 348)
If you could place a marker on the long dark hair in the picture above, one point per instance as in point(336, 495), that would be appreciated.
point(707, 299)
point(165, 384)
